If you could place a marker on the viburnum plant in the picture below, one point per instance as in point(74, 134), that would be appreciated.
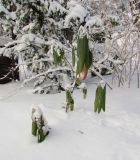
point(81, 62)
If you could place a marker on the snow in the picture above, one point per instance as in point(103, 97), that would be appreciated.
point(77, 11)
point(9, 15)
point(77, 135)
point(23, 70)
point(4, 40)
point(36, 112)
point(82, 85)
point(27, 39)
point(72, 3)
point(94, 21)
point(81, 134)
point(31, 38)
point(102, 83)
point(82, 32)
point(113, 18)
point(29, 27)
point(55, 7)
point(68, 87)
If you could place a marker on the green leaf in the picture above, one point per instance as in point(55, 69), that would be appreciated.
point(34, 128)
point(62, 53)
point(78, 82)
point(84, 54)
point(73, 56)
point(58, 58)
point(104, 98)
point(89, 59)
point(82, 51)
point(41, 136)
point(55, 56)
point(84, 93)
point(98, 99)
point(69, 101)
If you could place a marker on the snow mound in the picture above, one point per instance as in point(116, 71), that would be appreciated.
point(9, 15)
point(55, 7)
point(27, 39)
point(78, 135)
point(76, 12)
point(94, 21)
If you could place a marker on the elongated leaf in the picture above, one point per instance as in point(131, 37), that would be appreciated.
point(81, 55)
point(73, 56)
point(89, 59)
point(98, 99)
point(104, 98)
point(62, 52)
point(58, 57)
point(41, 136)
point(55, 56)
point(82, 51)
point(34, 128)
point(69, 101)
point(84, 93)
point(84, 55)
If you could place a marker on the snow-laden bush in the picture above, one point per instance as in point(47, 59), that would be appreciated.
point(40, 26)
point(76, 16)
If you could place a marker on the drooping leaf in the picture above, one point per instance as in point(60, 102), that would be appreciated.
point(84, 57)
point(82, 50)
point(99, 103)
point(62, 52)
point(73, 56)
point(34, 128)
point(104, 98)
point(41, 136)
point(84, 93)
point(55, 56)
point(89, 59)
point(58, 56)
point(69, 101)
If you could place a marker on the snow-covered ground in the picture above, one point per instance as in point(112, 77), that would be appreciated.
point(78, 135)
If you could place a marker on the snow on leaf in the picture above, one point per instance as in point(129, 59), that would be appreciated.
point(76, 12)
point(55, 7)
point(82, 86)
point(9, 15)
point(102, 83)
point(94, 21)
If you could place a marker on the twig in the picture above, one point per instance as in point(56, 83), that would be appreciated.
point(101, 77)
